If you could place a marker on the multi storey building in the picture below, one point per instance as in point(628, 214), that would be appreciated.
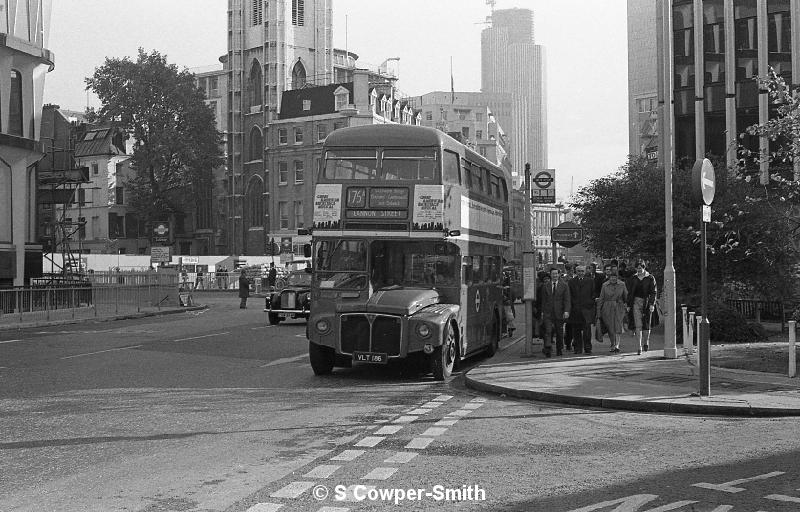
point(712, 78)
point(24, 62)
point(642, 79)
point(513, 69)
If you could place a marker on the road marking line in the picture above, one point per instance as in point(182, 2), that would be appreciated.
point(256, 328)
point(478, 399)
point(446, 422)
point(460, 412)
point(419, 443)
point(388, 430)
point(100, 352)
point(442, 398)
point(731, 486)
point(471, 405)
point(782, 497)
point(264, 507)
point(431, 405)
point(401, 457)
point(348, 455)
point(379, 474)
point(299, 335)
point(370, 441)
point(9, 341)
point(405, 419)
point(434, 431)
point(203, 336)
point(333, 509)
point(322, 471)
point(292, 490)
point(285, 360)
point(419, 411)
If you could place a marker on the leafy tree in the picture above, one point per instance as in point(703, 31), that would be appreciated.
point(176, 144)
point(623, 217)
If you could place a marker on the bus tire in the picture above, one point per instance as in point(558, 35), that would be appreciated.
point(444, 356)
point(496, 331)
point(274, 319)
point(321, 357)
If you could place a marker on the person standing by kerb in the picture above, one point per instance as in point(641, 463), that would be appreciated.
point(581, 319)
point(612, 307)
point(555, 311)
point(642, 301)
point(244, 289)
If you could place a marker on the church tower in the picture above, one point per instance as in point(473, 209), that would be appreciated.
point(273, 46)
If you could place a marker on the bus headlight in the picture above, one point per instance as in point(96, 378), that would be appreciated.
point(423, 331)
point(322, 326)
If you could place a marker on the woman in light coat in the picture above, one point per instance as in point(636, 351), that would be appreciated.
point(612, 308)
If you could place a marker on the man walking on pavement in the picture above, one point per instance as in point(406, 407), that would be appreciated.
point(582, 294)
point(555, 310)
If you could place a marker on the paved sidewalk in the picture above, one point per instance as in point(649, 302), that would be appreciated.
point(628, 381)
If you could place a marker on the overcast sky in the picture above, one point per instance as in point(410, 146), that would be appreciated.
point(585, 43)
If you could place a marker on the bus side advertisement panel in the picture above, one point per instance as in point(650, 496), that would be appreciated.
point(428, 207)
point(477, 216)
point(328, 206)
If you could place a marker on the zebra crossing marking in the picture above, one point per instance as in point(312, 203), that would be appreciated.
point(292, 490)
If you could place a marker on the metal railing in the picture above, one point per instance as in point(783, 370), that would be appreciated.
point(760, 310)
point(98, 295)
point(226, 281)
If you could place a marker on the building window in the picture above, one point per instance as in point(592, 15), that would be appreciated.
point(298, 135)
point(254, 85)
point(322, 132)
point(81, 197)
point(479, 134)
point(298, 76)
point(213, 87)
point(283, 173)
point(283, 214)
point(82, 228)
point(257, 13)
point(298, 13)
point(429, 116)
point(282, 136)
point(255, 202)
point(479, 117)
point(15, 105)
point(341, 98)
point(298, 171)
point(119, 195)
point(465, 132)
point(298, 214)
point(115, 226)
point(256, 144)
point(95, 169)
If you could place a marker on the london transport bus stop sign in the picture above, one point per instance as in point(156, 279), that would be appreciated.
point(704, 186)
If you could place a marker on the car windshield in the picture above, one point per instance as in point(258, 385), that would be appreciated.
point(405, 263)
point(300, 278)
point(341, 264)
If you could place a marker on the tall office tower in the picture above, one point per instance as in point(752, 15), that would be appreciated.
point(24, 62)
point(272, 47)
point(642, 79)
point(514, 65)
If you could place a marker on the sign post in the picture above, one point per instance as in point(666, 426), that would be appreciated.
point(704, 182)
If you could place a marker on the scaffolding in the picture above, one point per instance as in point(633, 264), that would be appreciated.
point(60, 186)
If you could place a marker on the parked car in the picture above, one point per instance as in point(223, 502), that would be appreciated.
point(293, 301)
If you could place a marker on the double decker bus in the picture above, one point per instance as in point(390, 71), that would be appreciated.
point(409, 232)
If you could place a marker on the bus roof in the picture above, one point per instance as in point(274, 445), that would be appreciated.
point(389, 135)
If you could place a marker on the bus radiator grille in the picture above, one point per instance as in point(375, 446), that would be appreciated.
point(383, 336)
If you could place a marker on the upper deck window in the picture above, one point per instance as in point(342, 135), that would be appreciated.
point(409, 164)
point(353, 164)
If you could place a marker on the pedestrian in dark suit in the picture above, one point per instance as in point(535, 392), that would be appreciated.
point(556, 304)
point(244, 289)
point(582, 315)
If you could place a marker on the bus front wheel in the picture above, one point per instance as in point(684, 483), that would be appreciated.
point(444, 356)
point(322, 358)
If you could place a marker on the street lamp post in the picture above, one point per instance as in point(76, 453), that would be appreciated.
point(667, 111)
